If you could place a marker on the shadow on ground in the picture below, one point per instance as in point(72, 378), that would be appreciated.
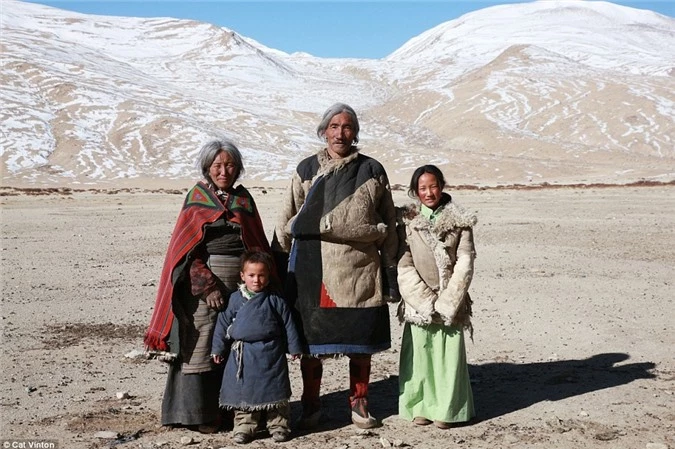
point(500, 388)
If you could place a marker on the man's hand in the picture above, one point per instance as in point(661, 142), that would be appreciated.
point(390, 285)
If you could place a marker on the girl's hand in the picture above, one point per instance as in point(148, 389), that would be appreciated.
point(217, 359)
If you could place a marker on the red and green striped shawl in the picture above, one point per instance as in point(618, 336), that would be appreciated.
point(201, 207)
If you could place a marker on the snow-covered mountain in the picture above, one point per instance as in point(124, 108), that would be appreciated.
point(563, 91)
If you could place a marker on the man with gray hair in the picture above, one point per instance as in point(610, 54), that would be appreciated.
point(338, 225)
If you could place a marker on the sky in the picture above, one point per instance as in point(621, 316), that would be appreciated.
point(328, 29)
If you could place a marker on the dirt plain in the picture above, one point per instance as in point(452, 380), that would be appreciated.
point(573, 312)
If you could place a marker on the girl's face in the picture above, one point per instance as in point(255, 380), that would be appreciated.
point(256, 276)
point(429, 190)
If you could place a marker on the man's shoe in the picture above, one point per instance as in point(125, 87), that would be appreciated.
point(309, 420)
point(242, 438)
point(280, 436)
point(360, 415)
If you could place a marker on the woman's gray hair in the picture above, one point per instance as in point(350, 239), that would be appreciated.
point(209, 152)
point(338, 108)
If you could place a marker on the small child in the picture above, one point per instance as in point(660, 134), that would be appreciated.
point(260, 329)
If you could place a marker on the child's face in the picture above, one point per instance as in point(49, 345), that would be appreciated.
point(255, 276)
point(429, 190)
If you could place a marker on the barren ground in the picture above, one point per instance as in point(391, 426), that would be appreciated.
point(573, 312)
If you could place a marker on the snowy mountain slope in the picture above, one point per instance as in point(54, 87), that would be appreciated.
point(546, 91)
point(599, 35)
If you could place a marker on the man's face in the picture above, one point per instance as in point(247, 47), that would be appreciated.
point(340, 135)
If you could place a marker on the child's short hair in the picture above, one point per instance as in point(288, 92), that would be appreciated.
point(256, 256)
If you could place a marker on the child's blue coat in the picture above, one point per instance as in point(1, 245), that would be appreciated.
point(266, 330)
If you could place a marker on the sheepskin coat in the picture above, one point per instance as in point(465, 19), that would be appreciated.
point(436, 268)
point(260, 330)
point(339, 225)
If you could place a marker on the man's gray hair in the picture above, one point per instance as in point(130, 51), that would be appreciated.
point(209, 152)
point(338, 108)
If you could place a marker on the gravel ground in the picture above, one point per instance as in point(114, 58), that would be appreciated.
point(573, 311)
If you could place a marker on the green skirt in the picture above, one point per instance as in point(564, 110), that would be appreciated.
point(433, 376)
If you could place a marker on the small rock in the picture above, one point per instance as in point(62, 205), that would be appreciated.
point(136, 354)
point(122, 395)
point(161, 443)
point(385, 442)
point(607, 436)
point(656, 446)
point(398, 443)
point(583, 413)
point(106, 434)
point(30, 389)
point(185, 441)
point(363, 433)
point(511, 439)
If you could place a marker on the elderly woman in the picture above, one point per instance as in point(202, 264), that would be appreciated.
point(339, 225)
point(217, 223)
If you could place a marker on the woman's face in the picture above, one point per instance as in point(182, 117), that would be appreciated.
point(429, 190)
point(340, 134)
point(223, 171)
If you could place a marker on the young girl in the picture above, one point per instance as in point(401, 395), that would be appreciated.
point(434, 275)
point(259, 327)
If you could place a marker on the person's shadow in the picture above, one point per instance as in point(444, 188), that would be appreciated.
point(500, 388)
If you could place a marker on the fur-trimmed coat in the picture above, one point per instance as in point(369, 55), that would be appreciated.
point(338, 223)
point(436, 268)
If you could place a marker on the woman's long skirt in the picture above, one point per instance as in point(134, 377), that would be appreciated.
point(192, 399)
point(434, 376)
